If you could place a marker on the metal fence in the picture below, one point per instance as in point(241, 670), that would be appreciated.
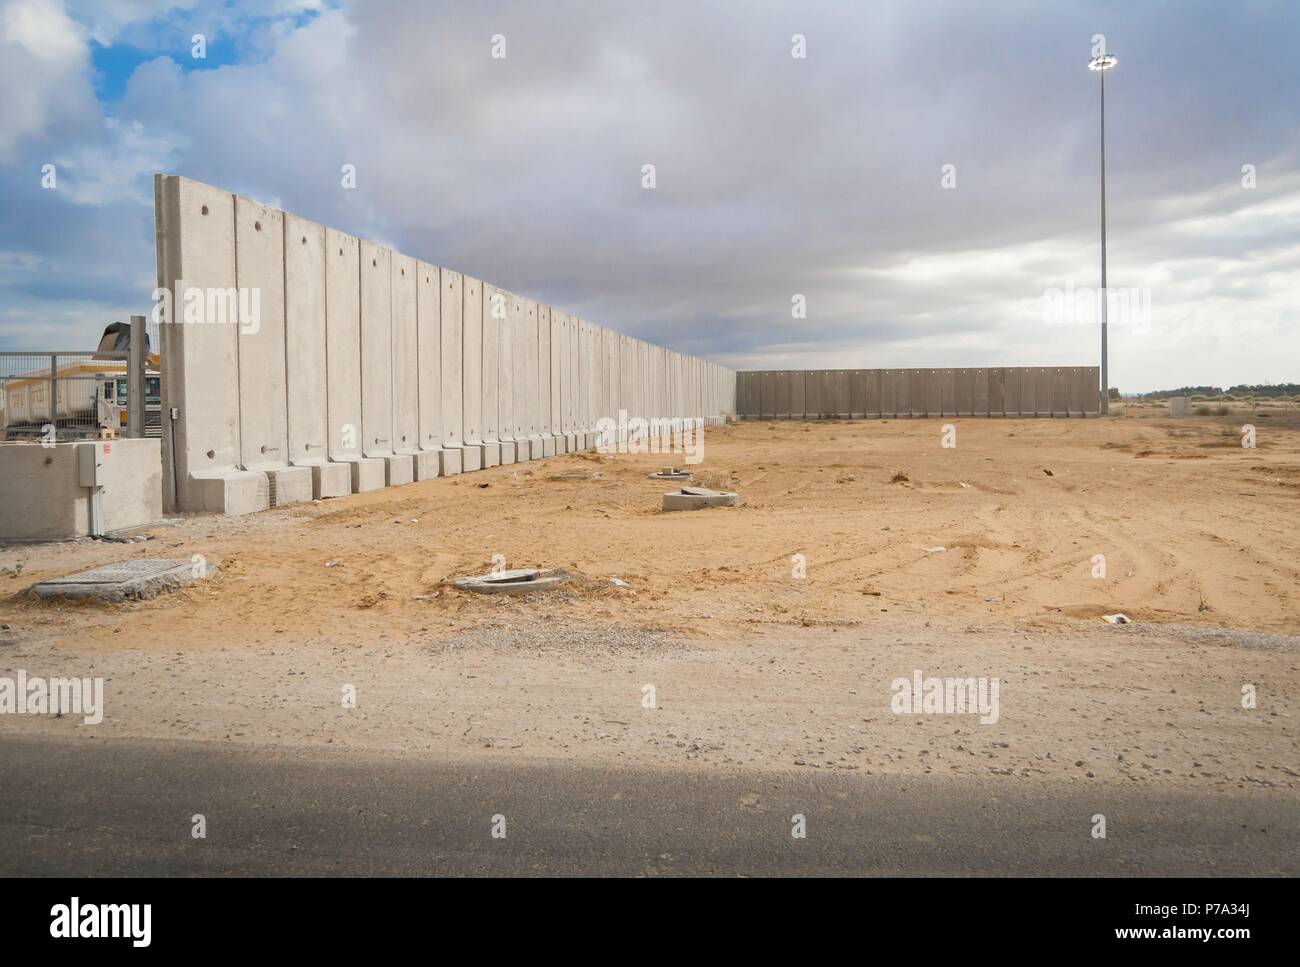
point(76, 395)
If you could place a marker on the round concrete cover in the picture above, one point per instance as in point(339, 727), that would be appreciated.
point(521, 580)
point(671, 473)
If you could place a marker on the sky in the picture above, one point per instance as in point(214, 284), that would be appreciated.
point(920, 187)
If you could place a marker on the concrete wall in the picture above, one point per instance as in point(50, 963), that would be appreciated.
point(1057, 391)
point(41, 497)
point(314, 364)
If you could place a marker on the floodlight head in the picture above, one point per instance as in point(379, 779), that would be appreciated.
point(1103, 62)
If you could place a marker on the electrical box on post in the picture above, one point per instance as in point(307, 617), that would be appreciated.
point(90, 462)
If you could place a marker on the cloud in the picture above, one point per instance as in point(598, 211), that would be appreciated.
point(44, 74)
point(775, 175)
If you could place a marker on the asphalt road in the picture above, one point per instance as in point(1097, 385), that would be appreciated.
point(83, 807)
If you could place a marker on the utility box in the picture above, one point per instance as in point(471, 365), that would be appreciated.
point(89, 463)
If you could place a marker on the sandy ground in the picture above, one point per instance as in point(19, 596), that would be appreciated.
point(752, 666)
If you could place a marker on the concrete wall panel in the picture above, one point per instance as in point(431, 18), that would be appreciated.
point(452, 312)
point(916, 391)
point(519, 358)
point(964, 390)
point(871, 394)
point(782, 394)
point(493, 310)
point(305, 339)
point(796, 379)
point(842, 389)
point(559, 337)
point(259, 269)
point(888, 390)
point(1060, 392)
point(1011, 391)
point(980, 382)
point(376, 350)
point(587, 368)
point(997, 391)
point(563, 350)
point(406, 355)
point(933, 392)
point(767, 395)
point(504, 307)
point(813, 394)
point(1042, 391)
point(948, 379)
point(428, 321)
point(532, 380)
point(195, 226)
point(902, 394)
point(544, 413)
point(343, 346)
point(1028, 391)
point(1082, 393)
point(857, 393)
point(471, 366)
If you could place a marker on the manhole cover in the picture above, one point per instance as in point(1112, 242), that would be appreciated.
point(671, 473)
point(126, 579)
point(521, 580)
point(578, 475)
point(697, 498)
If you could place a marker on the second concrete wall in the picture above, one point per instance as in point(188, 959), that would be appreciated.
point(812, 394)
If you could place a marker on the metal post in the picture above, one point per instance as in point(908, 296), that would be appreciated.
point(135, 382)
point(54, 394)
point(1105, 383)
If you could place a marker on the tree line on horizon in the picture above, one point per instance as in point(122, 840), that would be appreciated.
point(1264, 390)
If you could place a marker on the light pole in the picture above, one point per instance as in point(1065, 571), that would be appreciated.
point(1102, 63)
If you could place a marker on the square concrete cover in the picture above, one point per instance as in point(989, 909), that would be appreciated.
point(126, 579)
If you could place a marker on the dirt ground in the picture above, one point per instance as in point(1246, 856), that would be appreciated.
point(753, 664)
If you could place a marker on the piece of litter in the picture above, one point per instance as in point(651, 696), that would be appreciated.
point(426, 597)
point(1117, 619)
point(934, 550)
point(618, 583)
point(1049, 473)
point(965, 485)
point(333, 563)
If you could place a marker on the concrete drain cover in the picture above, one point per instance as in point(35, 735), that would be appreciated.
point(697, 498)
point(127, 579)
point(578, 475)
point(521, 580)
point(671, 473)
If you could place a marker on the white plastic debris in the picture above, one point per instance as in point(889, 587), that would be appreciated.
point(618, 583)
point(935, 550)
point(1117, 619)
